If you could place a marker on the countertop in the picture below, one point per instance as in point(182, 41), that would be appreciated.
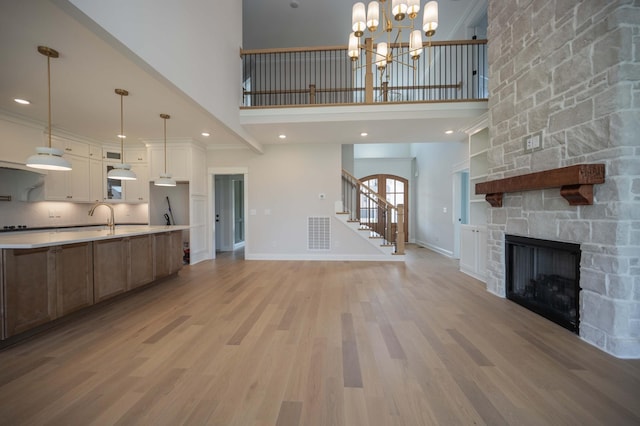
point(27, 240)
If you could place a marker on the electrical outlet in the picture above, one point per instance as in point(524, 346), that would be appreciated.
point(533, 142)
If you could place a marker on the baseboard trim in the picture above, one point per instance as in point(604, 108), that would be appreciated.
point(440, 250)
point(326, 257)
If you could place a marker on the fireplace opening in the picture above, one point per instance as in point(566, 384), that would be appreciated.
point(544, 277)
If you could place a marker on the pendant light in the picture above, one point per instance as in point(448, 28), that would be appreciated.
point(165, 178)
point(121, 171)
point(46, 157)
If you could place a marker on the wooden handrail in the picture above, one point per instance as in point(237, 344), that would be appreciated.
point(450, 101)
point(359, 182)
point(344, 47)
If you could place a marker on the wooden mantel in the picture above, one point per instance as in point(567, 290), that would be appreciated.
point(575, 182)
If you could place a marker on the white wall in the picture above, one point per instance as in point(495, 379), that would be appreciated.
point(382, 150)
point(283, 187)
point(428, 168)
point(434, 228)
point(194, 44)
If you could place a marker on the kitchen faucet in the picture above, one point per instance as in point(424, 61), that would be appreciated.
point(111, 222)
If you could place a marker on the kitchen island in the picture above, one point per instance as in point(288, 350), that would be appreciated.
point(47, 275)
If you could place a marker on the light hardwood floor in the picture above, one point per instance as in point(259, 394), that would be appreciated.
point(233, 342)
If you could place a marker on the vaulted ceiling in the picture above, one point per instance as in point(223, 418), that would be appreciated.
point(90, 68)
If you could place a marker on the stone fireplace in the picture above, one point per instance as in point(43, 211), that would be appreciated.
point(544, 277)
point(568, 72)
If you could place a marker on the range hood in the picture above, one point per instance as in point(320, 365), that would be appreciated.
point(20, 183)
point(19, 166)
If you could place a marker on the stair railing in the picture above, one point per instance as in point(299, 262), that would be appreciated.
point(373, 212)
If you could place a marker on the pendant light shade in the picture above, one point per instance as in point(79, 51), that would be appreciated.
point(46, 157)
point(165, 178)
point(415, 44)
point(373, 16)
point(381, 55)
point(430, 18)
point(354, 47)
point(121, 171)
point(358, 19)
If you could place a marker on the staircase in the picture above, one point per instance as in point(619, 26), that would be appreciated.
point(371, 216)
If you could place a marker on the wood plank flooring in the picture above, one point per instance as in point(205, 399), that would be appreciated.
point(234, 342)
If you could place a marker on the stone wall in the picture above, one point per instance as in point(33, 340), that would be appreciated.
point(570, 69)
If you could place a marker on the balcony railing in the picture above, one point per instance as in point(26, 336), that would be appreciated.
point(453, 71)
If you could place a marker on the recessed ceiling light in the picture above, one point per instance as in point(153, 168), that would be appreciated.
point(22, 101)
point(282, 136)
point(448, 132)
point(363, 134)
point(205, 134)
point(122, 136)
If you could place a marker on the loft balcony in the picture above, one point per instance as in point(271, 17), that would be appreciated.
point(319, 94)
point(453, 71)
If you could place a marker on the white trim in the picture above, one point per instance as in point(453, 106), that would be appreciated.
point(439, 250)
point(211, 173)
point(326, 257)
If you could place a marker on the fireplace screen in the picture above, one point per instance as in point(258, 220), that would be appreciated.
point(544, 276)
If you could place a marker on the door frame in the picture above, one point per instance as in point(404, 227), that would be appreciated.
point(211, 190)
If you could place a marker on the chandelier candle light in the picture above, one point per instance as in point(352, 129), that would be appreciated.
point(378, 16)
point(165, 178)
point(46, 157)
point(121, 171)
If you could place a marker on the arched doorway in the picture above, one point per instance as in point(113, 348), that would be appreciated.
point(394, 189)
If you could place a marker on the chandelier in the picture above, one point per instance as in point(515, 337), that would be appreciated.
point(387, 19)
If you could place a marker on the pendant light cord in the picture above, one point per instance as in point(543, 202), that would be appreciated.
point(165, 145)
point(49, 94)
point(121, 129)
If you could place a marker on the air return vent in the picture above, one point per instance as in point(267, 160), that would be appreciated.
point(319, 232)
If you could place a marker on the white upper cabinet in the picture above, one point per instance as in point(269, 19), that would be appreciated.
point(178, 161)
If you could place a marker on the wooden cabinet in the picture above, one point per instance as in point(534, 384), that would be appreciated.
point(29, 289)
point(176, 251)
point(162, 254)
point(45, 283)
point(70, 185)
point(109, 268)
point(140, 260)
point(168, 253)
point(137, 191)
point(473, 251)
point(74, 277)
point(42, 284)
